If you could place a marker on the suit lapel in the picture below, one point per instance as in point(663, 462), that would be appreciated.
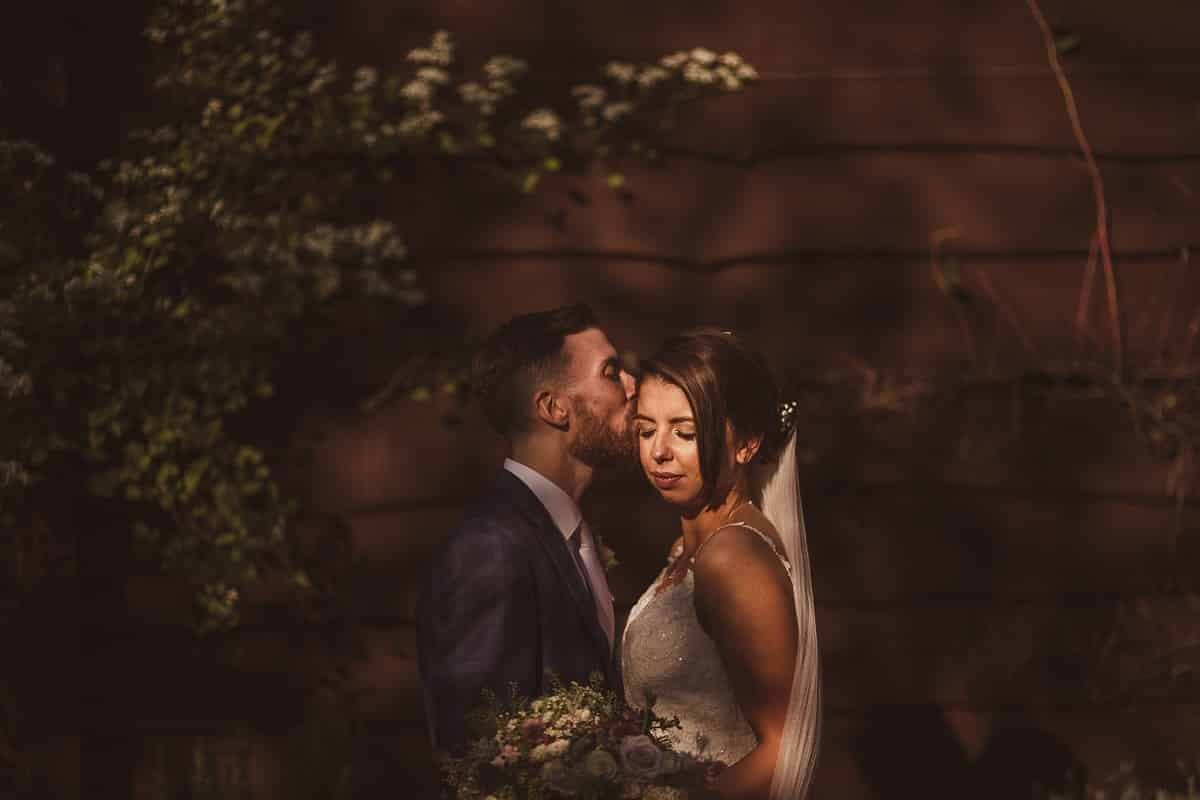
point(551, 540)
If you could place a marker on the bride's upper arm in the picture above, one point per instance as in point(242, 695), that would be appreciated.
point(744, 602)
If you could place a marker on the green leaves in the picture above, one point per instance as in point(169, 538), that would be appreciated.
point(230, 238)
point(1065, 41)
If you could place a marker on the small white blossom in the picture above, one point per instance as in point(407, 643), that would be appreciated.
point(12, 472)
point(419, 124)
point(417, 91)
point(651, 76)
point(504, 68)
point(694, 73)
point(365, 79)
point(702, 56)
point(211, 111)
point(483, 99)
point(302, 45)
point(616, 111)
point(320, 241)
point(727, 78)
point(442, 46)
point(731, 60)
point(433, 75)
point(13, 383)
point(621, 72)
point(440, 52)
point(675, 60)
point(747, 73)
point(543, 121)
point(324, 77)
point(589, 96)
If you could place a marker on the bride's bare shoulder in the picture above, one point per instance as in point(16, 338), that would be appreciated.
point(737, 551)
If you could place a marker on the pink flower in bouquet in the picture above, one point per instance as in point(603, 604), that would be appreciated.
point(641, 758)
point(532, 729)
point(507, 755)
point(625, 726)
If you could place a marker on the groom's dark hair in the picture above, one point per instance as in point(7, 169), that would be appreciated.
point(521, 355)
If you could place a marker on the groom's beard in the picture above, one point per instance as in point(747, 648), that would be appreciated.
point(597, 443)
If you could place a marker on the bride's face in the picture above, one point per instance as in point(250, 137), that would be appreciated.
point(666, 437)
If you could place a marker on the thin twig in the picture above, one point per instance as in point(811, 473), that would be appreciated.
point(1110, 277)
point(1009, 314)
point(1192, 329)
point(1173, 291)
point(936, 240)
point(1085, 293)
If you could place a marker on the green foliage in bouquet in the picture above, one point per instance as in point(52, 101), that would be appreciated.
point(153, 312)
point(577, 741)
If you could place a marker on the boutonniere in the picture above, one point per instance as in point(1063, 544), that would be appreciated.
point(608, 559)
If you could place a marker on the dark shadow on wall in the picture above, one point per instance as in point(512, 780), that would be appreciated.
point(912, 751)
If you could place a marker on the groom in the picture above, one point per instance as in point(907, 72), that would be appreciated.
point(516, 594)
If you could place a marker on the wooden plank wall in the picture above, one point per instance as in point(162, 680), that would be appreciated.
point(959, 537)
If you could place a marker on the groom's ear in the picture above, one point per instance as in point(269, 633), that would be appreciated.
point(748, 449)
point(551, 409)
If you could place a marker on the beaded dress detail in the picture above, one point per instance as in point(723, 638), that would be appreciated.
point(665, 651)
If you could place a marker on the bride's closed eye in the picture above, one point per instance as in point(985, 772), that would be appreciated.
point(687, 436)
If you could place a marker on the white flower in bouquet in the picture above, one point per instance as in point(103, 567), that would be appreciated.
point(556, 776)
point(641, 757)
point(664, 793)
point(600, 764)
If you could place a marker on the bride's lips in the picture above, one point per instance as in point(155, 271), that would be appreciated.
point(665, 480)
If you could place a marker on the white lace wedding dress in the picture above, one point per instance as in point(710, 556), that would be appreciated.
point(665, 651)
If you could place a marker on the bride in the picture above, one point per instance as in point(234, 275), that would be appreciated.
point(725, 639)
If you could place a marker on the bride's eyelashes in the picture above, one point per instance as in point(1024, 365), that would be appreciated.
point(647, 433)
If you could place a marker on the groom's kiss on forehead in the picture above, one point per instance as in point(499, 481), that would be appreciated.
point(551, 380)
point(601, 393)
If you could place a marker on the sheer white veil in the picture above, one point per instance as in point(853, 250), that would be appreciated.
point(802, 731)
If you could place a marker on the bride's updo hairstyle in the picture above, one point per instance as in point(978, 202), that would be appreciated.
point(724, 381)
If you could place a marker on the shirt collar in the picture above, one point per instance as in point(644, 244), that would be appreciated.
point(561, 507)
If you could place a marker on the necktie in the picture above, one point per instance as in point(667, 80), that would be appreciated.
point(585, 546)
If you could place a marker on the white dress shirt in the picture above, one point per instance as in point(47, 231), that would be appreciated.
point(568, 518)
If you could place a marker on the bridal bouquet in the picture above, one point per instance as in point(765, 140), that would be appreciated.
point(579, 742)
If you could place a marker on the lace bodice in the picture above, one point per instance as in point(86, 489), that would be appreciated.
point(664, 650)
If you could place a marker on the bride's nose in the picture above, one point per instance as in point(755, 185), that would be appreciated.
point(659, 451)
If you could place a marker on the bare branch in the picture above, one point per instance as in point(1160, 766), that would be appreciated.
point(1097, 182)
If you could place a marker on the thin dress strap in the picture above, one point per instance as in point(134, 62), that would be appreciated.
point(747, 526)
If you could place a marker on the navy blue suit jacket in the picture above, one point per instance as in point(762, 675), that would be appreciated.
point(503, 604)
